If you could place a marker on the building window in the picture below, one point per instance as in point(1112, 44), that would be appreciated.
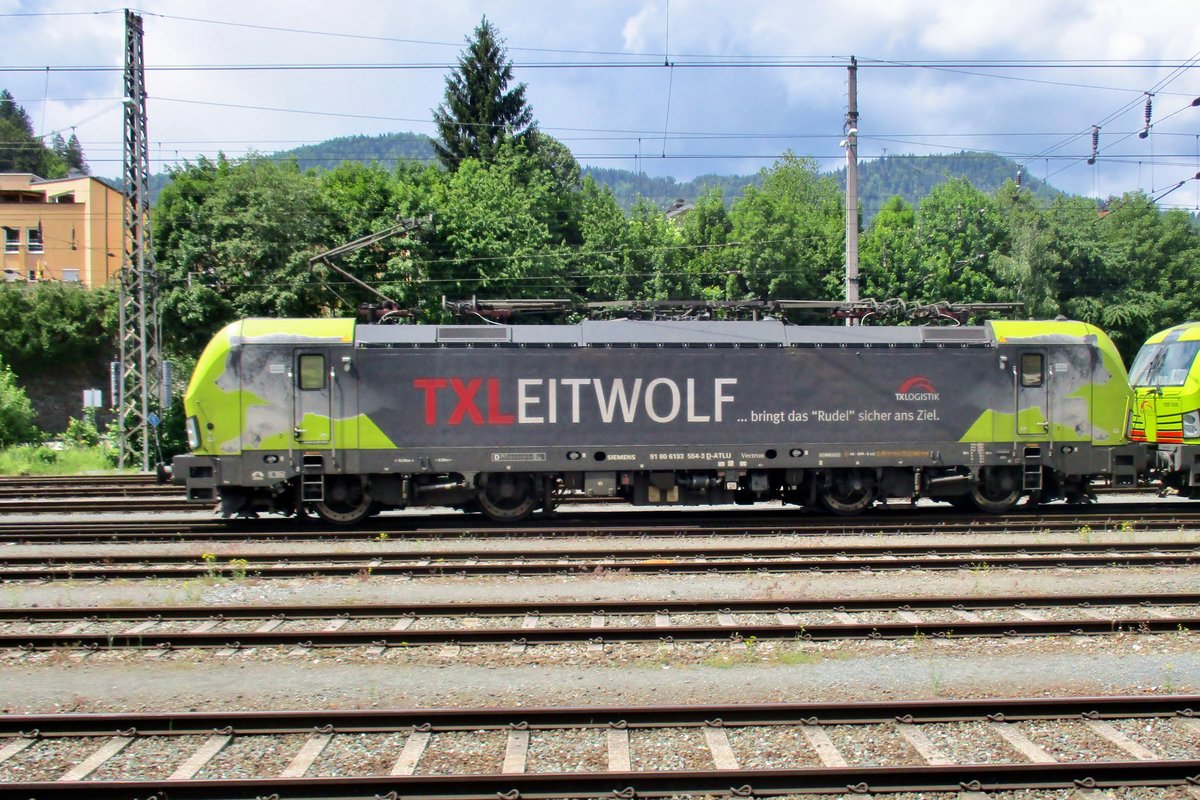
point(12, 240)
point(35, 240)
point(70, 276)
point(33, 276)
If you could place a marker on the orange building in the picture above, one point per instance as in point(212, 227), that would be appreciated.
point(64, 229)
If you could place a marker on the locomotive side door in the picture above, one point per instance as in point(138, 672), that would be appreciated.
point(1031, 379)
point(312, 385)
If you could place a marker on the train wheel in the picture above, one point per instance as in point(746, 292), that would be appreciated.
point(848, 491)
point(507, 498)
point(998, 490)
point(346, 501)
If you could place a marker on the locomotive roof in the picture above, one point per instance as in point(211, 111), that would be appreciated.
point(664, 332)
point(653, 332)
point(1186, 332)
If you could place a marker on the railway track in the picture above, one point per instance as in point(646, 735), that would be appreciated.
point(624, 752)
point(920, 521)
point(83, 486)
point(380, 627)
point(687, 559)
point(66, 494)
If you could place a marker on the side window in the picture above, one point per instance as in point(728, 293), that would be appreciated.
point(1032, 369)
point(312, 371)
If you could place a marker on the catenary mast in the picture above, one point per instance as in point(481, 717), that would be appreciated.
point(140, 381)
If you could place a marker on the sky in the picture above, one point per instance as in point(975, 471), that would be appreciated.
point(666, 87)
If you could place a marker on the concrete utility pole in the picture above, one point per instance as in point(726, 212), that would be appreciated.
point(140, 381)
point(851, 144)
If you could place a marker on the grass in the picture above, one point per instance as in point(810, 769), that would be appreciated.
point(41, 460)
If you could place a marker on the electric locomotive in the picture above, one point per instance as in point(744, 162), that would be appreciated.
point(1166, 408)
point(345, 419)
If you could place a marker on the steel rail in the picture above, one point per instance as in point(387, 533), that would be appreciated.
point(609, 524)
point(368, 564)
point(685, 550)
point(384, 637)
point(608, 607)
point(736, 781)
point(113, 477)
point(243, 723)
point(97, 505)
point(87, 491)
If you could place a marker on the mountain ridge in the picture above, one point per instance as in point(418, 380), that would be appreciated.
point(911, 177)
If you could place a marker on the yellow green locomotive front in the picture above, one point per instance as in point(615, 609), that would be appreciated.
point(1166, 410)
point(345, 419)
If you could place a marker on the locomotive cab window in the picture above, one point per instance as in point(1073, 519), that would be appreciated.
point(1032, 369)
point(312, 371)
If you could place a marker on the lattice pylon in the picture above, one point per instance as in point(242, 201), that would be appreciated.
point(141, 370)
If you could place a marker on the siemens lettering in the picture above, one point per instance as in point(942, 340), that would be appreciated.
point(541, 401)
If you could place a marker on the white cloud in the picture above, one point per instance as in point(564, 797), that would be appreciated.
point(762, 110)
point(641, 26)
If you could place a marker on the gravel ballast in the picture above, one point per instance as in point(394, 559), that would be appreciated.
point(615, 674)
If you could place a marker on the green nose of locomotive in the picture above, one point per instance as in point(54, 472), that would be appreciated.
point(1166, 383)
point(212, 401)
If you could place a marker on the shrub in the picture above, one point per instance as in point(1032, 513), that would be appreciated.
point(16, 412)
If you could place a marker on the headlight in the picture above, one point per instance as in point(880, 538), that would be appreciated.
point(1191, 425)
point(193, 433)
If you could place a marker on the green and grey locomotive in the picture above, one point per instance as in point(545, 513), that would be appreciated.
point(346, 419)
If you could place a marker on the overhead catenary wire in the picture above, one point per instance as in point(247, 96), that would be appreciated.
point(1002, 69)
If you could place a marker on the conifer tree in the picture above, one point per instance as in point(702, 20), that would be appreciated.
point(480, 111)
point(74, 157)
point(20, 149)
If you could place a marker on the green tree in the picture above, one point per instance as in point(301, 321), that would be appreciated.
point(1147, 271)
point(706, 232)
point(960, 233)
point(480, 112)
point(20, 149)
point(653, 261)
point(888, 258)
point(16, 412)
point(357, 200)
point(233, 240)
point(601, 257)
point(791, 233)
point(1025, 272)
point(74, 156)
point(495, 231)
point(52, 323)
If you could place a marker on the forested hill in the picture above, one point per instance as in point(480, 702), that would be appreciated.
point(387, 150)
point(628, 186)
point(911, 177)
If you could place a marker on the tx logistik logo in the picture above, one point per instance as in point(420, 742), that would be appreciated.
point(917, 388)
